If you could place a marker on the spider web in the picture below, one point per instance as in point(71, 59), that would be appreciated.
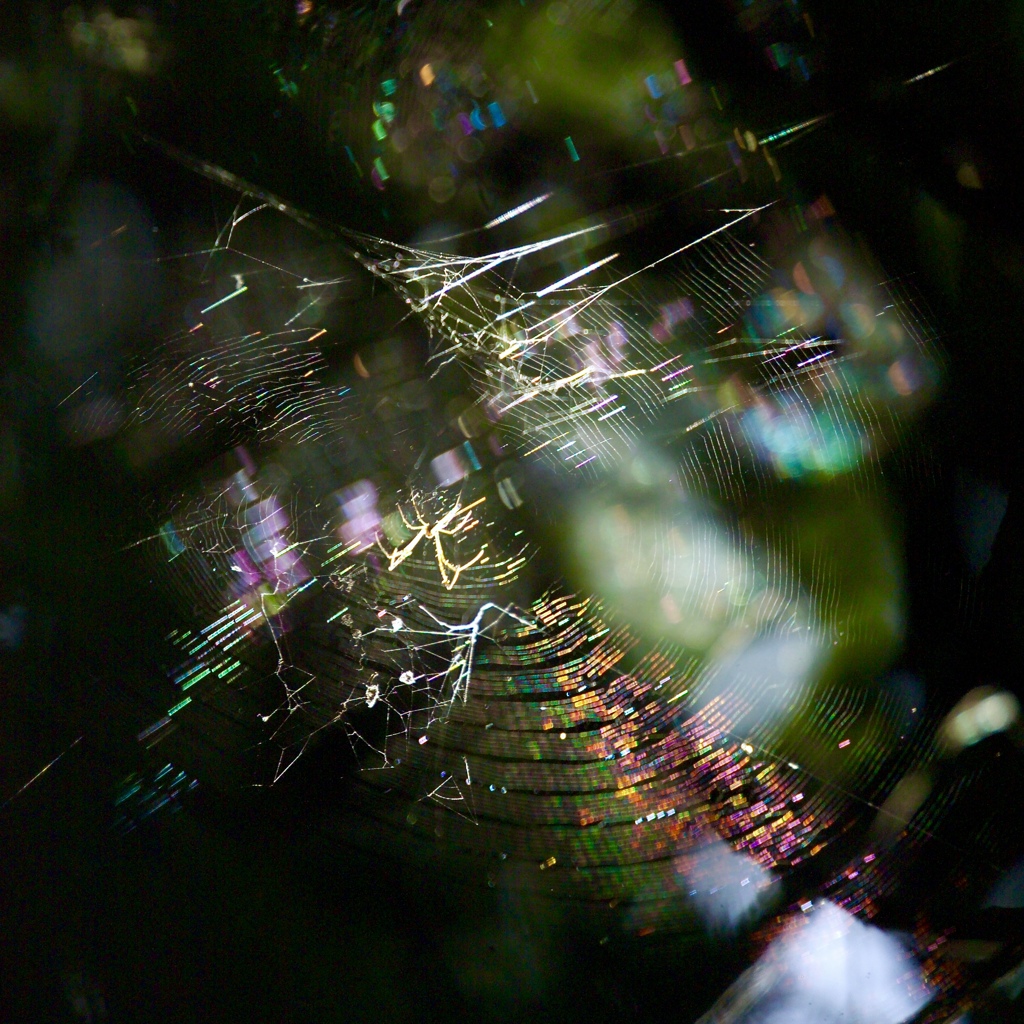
point(331, 583)
point(624, 739)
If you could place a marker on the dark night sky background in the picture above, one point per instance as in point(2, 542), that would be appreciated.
point(262, 908)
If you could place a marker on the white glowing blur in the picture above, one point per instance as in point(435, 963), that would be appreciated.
point(981, 713)
point(827, 969)
point(726, 887)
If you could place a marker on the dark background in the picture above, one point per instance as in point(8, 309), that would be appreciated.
point(252, 906)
